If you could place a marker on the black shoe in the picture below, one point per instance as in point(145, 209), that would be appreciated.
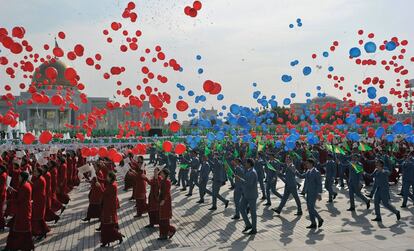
point(86, 219)
point(120, 240)
point(137, 215)
point(330, 201)
point(299, 185)
point(377, 219)
point(403, 206)
point(200, 201)
point(182, 189)
point(162, 238)
point(104, 245)
point(368, 204)
point(267, 204)
point(276, 210)
point(351, 209)
point(320, 223)
point(252, 232)
point(189, 194)
point(235, 217)
point(246, 229)
point(62, 210)
point(398, 215)
point(400, 194)
point(149, 226)
point(334, 196)
point(263, 198)
point(98, 229)
point(231, 188)
point(226, 204)
point(299, 213)
point(171, 235)
point(212, 208)
point(311, 226)
point(56, 220)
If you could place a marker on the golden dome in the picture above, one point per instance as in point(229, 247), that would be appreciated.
point(41, 79)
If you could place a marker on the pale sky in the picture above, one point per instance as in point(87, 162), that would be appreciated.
point(240, 42)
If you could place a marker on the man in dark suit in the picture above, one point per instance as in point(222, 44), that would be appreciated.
point(381, 191)
point(289, 171)
point(330, 174)
point(249, 197)
point(313, 190)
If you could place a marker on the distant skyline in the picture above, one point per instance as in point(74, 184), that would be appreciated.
point(241, 42)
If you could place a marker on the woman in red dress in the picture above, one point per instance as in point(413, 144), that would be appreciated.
point(50, 214)
point(166, 230)
point(153, 203)
point(140, 188)
point(14, 183)
point(20, 235)
point(95, 196)
point(39, 226)
point(3, 193)
point(56, 205)
point(109, 220)
point(61, 193)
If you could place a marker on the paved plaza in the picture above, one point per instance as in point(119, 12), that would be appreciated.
point(201, 229)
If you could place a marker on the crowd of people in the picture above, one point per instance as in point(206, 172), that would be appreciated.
point(35, 185)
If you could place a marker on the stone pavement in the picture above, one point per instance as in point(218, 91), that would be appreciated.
point(200, 229)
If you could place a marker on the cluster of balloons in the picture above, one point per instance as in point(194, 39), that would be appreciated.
point(298, 23)
point(193, 11)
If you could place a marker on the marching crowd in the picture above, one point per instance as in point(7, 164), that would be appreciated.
point(35, 185)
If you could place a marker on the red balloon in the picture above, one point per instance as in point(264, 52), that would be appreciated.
point(18, 32)
point(182, 106)
point(180, 149)
point(57, 100)
point(216, 89)
point(167, 146)
point(192, 12)
point(70, 74)
point(197, 5)
point(117, 157)
point(86, 152)
point(79, 50)
point(208, 86)
point(103, 152)
point(45, 137)
point(28, 138)
point(175, 126)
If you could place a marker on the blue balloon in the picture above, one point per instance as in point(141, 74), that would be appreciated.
point(299, 24)
point(286, 101)
point(286, 78)
point(198, 57)
point(390, 46)
point(379, 132)
point(307, 70)
point(372, 92)
point(370, 47)
point(254, 84)
point(398, 127)
point(330, 68)
point(325, 54)
point(224, 107)
point(291, 26)
point(235, 109)
point(293, 95)
point(174, 115)
point(390, 137)
point(354, 52)
point(408, 129)
point(294, 62)
point(220, 97)
point(298, 20)
point(181, 69)
point(256, 94)
point(200, 70)
point(210, 136)
point(190, 93)
point(307, 94)
point(383, 100)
